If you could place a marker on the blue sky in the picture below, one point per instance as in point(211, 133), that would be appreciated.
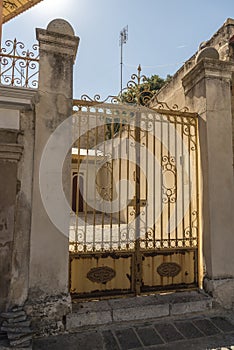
point(162, 35)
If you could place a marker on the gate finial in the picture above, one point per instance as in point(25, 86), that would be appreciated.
point(139, 74)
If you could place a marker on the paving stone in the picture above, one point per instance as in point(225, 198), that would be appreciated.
point(128, 339)
point(217, 342)
point(109, 341)
point(188, 330)
point(82, 341)
point(149, 336)
point(94, 340)
point(222, 324)
point(206, 326)
point(168, 332)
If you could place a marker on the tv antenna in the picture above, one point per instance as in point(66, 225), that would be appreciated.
point(122, 40)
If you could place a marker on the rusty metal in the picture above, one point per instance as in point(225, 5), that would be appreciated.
point(150, 241)
point(18, 66)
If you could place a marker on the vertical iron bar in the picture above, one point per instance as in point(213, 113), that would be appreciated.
point(77, 182)
point(199, 261)
point(138, 262)
point(14, 59)
point(154, 181)
point(103, 196)
point(169, 198)
point(112, 179)
point(87, 181)
point(120, 176)
point(161, 177)
point(26, 82)
point(176, 184)
point(189, 179)
point(95, 190)
point(128, 179)
point(182, 179)
point(146, 183)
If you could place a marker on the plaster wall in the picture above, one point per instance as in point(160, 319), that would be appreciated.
point(16, 153)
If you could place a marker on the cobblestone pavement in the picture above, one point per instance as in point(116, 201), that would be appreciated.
point(215, 332)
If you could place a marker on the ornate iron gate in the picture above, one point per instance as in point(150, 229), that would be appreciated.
point(138, 230)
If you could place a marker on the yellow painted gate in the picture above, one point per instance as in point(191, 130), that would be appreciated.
point(135, 223)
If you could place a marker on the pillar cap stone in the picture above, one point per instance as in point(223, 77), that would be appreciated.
point(207, 68)
point(58, 38)
point(60, 26)
point(207, 52)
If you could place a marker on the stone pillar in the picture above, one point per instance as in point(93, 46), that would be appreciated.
point(208, 92)
point(49, 254)
point(10, 153)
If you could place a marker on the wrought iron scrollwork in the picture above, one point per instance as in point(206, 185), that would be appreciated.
point(97, 99)
point(19, 67)
point(105, 190)
point(137, 92)
point(189, 130)
point(191, 231)
point(169, 190)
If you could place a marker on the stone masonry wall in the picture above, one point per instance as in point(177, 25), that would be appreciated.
point(173, 92)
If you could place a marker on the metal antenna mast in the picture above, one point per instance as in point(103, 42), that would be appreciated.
point(122, 40)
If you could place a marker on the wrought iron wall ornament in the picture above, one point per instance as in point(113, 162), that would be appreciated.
point(19, 67)
point(102, 274)
point(169, 269)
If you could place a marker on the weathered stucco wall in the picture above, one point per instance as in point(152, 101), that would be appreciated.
point(8, 183)
point(16, 154)
point(20, 259)
point(204, 85)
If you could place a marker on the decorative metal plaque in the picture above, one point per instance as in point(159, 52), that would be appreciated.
point(169, 269)
point(102, 274)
